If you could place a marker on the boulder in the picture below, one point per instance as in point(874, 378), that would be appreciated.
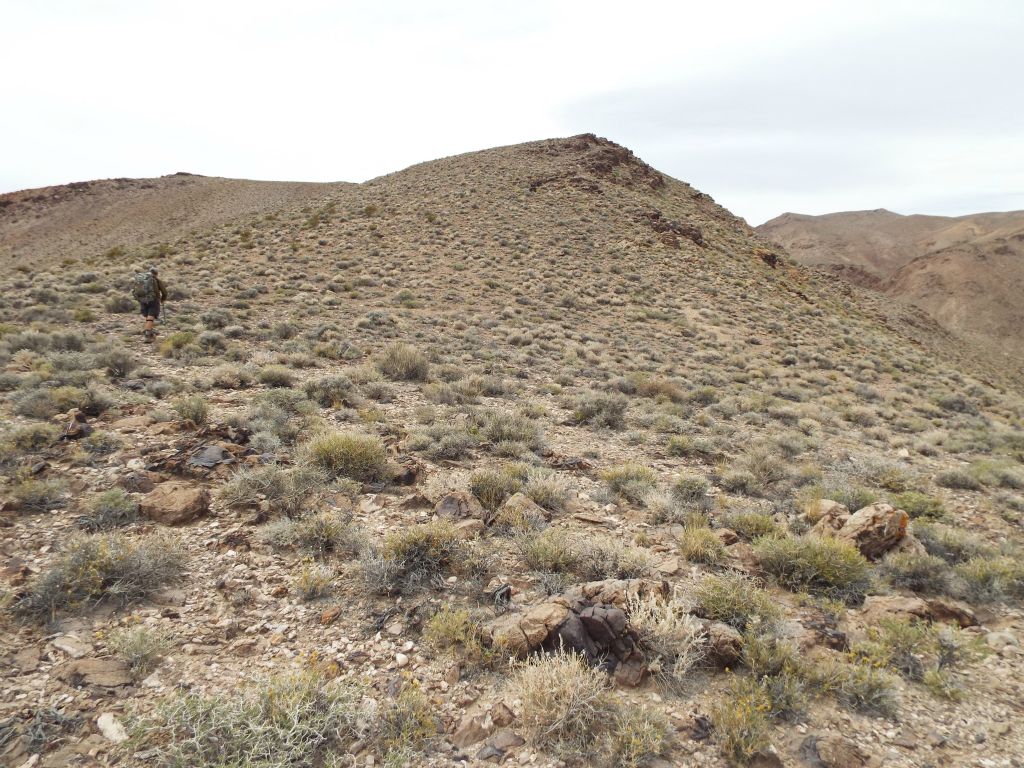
point(106, 673)
point(617, 592)
point(459, 506)
point(520, 507)
point(948, 610)
point(874, 530)
point(816, 510)
point(832, 751)
point(725, 644)
point(472, 729)
point(877, 607)
point(469, 529)
point(175, 502)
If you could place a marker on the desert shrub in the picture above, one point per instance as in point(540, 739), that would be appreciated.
point(403, 362)
point(215, 318)
point(443, 442)
point(691, 490)
point(700, 544)
point(600, 409)
point(405, 725)
point(32, 437)
point(918, 572)
point(101, 443)
point(630, 481)
point(923, 653)
point(356, 456)
point(741, 720)
point(672, 637)
point(120, 305)
point(992, 579)
point(919, 505)
point(739, 481)
point(509, 427)
point(823, 566)
point(456, 630)
point(313, 581)
point(546, 489)
point(638, 735)
point(735, 600)
point(35, 495)
point(42, 403)
point(177, 344)
point(380, 391)
point(492, 487)
point(586, 558)
point(412, 557)
point(752, 525)
point(685, 446)
point(110, 509)
point(329, 391)
point(858, 684)
point(276, 376)
point(230, 376)
point(565, 704)
point(118, 363)
point(951, 544)
point(960, 479)
point(140, 647)
point(192, 408)
point(300, 718)
point(850, 495)
point(319, 533)
point(103, 566)
point(288, 490)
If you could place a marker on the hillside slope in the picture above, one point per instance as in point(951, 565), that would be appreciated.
point(392, 442)
point(966, 272)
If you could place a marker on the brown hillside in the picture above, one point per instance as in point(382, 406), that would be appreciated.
point(966, 272)
point(398, 443)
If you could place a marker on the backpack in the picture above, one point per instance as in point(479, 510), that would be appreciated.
point(144, 287)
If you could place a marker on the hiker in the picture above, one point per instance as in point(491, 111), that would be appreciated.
point(149, 290)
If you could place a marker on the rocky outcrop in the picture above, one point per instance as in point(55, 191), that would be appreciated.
point(874, 530)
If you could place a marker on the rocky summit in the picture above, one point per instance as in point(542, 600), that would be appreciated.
point(529, 456)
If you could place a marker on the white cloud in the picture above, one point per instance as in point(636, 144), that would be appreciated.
point(766, 106)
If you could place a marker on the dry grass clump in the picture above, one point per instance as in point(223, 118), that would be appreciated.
point(691, 491)
point(920, 652)
point(992, 579)
point(344, 454)
point(110, 509)
point(103, 567)
point(443, 442)
point(951, 544)
point(405, 726)
point(583, 557)
point(600, 409)
point(741, 721)
point(320, 533)
point(858, 684)
point(329, 391)
point(920, 505)
point(277, 376)
point(299, 718)
point(493, 486)
point(457, 631)
point(672, 636)
point(630, 481)
point(735, 600)
point(568, 711)
point(546, 489)
point(403, 362)
point(699, 544)
point(32, 437)
point(31, 495)
point(192, 408)
point(414, 557)
point(504, 428)
point(823, 566)
point(313, 581)
point(752, 525)
point(140, 647)
point(922, 573)
point(288, 490)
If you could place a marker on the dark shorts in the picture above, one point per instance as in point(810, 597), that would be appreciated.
point(150, 309)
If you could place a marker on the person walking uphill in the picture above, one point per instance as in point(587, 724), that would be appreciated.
point(150, 292)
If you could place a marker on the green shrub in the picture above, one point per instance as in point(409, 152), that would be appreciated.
point(456, 630)
point(118, 363)
point(141, 648)
point(631, 481)
point(691, 490)
point(823, 566)
point(741, 721)
point(753, 525)
point(546, 489)
point(106, 566)
point(32, 495)
point(33, 437)
point(638, 735)
point(402, 362)
point(735, 600)
point(120, 305)
point(313, 581)
point(329, 391)
point(288, 490)
point(177, 344)
point(960, 479)
point(356, 456)
point(492, 487)
point(700, 544)
point(951, 544)
point(192, 408)
point(860, 685)
point(586, 558)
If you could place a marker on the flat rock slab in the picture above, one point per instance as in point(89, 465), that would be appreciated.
point(105, 673)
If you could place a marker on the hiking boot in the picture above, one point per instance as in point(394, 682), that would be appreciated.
point(148, 335)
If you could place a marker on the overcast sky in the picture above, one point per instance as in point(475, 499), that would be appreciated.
point(766, 106)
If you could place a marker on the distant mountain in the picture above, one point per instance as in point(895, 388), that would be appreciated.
point(967, 272)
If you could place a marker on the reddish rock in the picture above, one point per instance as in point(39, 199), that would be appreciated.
point(826, 508)
point(874, 530)
point(459, 506)
point(175, 502)
point(948, 610)
point(877, 607)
